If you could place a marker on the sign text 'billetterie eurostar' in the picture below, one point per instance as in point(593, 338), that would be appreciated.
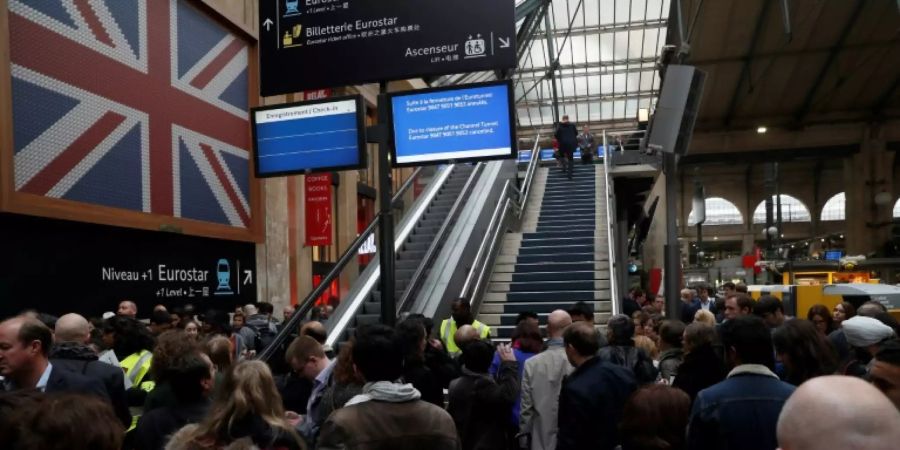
point(313, 44)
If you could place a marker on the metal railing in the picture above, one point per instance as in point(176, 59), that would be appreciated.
point(610, 228)
point(349, 254)
point(510, 198)
point(419, 275)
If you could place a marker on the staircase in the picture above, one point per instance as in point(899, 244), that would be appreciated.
point(410, 255)
point(560, 258)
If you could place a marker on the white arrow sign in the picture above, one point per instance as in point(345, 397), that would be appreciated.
point(268, 24)
point(504, 43)
point(248, 277)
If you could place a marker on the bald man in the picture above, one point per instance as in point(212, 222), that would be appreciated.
point(127, 308)
point(838, 412)
point(24, 364)
point(464, 335)
point(72, 352)
point(318, 332)
point(541, 384)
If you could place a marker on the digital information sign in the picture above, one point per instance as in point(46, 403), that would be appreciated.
point(460, 123)
point(312, 44)
point(309, 136)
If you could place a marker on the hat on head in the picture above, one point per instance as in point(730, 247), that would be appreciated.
point(864, 331)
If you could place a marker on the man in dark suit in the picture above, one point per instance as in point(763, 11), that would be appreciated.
point(593, 396)
point(567, 136)
point(703, 301)
point(71, 352)
point(24, 364)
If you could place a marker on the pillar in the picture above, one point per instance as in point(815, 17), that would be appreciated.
point(866, 174)
point(345, 228)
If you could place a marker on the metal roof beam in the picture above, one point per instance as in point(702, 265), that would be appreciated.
point(886, 96)
point(610, 28)
point(589, 98)
point(650, 60)
point(535, 77)
point(527, 7)
point(745, 68)
point(554, 63)
point(832, 56)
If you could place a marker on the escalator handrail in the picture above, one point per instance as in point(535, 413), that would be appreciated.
point(419, 275)
point(610, 231)
point(529, 176)
point(369, 277)
point(498, 218)
point(349, 255)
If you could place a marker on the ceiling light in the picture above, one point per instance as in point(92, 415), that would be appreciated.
point(762, 130)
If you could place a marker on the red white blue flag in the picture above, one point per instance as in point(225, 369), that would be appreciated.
point(139, 104)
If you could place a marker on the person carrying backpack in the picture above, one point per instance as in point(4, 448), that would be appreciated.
point(263, 326)
point(622, 352)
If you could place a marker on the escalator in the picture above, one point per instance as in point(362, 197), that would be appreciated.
point(410, 256)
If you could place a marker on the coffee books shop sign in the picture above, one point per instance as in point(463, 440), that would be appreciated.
point(318, 209)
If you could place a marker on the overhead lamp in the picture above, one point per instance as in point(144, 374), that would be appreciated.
point(761, 130)
point(643, 115)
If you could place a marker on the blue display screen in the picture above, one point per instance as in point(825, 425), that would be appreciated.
point(833, 255)
point(453, 125)
point(310, 136)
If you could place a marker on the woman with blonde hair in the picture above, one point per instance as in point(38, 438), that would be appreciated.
point(251, 416)
point(704, 316)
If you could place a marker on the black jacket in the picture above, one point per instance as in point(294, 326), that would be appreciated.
point(480, 406)
point(590, 405)
point(155, 427)
point(689, 310)
point(423, 379)
point(633, 358)
point(702, 368)
point(567, 136)
point(80, 359)
point(62, 380)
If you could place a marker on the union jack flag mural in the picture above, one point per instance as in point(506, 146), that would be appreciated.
point(138, 104)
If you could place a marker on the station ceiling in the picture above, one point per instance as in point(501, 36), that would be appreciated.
point(829, 62)
point(599, 55)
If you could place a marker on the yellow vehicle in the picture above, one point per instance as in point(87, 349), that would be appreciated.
point(796, 299)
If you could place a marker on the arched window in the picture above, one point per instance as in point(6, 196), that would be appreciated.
point(835, 208)
point(792, 210)
point(719, 212)
point(897, 209)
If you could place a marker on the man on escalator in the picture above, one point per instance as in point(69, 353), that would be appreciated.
point(461, 314)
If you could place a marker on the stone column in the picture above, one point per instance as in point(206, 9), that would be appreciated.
point(345, 225)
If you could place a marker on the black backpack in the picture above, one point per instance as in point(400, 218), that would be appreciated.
point(632, 358)
point(264, 331)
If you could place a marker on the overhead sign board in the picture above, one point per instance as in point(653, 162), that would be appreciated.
point(325, 134)
point(312, 44)
point(460, 123)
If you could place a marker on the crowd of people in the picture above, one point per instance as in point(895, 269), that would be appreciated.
point(729, 373)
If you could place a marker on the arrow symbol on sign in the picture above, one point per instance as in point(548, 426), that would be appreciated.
point(248, 276)
point(268, 24)
point(504, 43)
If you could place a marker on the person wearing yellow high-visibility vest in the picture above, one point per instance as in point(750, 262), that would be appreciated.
point(461, 314)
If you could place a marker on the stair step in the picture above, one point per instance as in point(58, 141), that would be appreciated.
point(550, 258)
point(538, 307)
point(584, 275)
point(516, 249)
point(558, 296)
point(551, 267)
point(552, 286)
point(553, 242)
point(494, 320)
